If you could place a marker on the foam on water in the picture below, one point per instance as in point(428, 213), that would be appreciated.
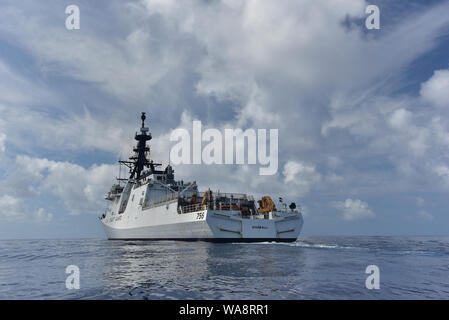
point(298, 244)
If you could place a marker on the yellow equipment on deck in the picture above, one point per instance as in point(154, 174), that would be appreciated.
point(207, 198)
point(266, 205)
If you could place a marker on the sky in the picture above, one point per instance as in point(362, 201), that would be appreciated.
point(362, 114)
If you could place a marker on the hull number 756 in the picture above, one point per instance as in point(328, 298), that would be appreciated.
point(200, 216)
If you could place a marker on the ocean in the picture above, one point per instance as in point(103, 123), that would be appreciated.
point(311, 268)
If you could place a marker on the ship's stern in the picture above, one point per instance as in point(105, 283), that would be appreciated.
point(229, 225)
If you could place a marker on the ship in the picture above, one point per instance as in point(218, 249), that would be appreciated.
point(151, 205)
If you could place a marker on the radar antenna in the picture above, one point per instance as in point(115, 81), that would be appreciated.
point(139, 161)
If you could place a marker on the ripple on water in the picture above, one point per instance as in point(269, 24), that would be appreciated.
point(312, 267)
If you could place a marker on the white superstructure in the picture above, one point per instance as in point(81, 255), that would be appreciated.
point(152, 205)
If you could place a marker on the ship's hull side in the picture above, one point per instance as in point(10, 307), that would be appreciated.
point(214, 226)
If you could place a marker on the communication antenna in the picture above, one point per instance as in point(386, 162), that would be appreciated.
point(120, 169)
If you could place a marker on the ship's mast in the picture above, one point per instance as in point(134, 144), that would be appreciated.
point(139, 161)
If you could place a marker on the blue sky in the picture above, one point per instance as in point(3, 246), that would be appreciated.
point(362, 114)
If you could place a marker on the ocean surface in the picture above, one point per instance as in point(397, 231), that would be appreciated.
point(311, 268)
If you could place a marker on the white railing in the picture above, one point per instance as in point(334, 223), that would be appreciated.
point(192, 208)
point(235, 196)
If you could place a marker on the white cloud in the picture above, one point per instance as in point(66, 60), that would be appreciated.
point(13, 86)
point(420, 202)
point(303, 176)
point(9, 207)
point(293, 65)
point(33, 130)
point(13, 209)
point(436, 89)
point(400, 118)
point(425, 215)
point(354, 209)
point(2, 142)
point(442, 172)
point(334, 178)
point(334, 162)
point(80, 190)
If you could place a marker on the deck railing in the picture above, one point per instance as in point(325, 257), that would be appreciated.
point(192, 208)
